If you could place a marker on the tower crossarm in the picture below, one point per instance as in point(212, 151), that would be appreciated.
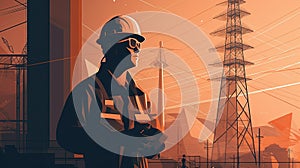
point(231, 78)
point(229, 62)
point(239, 29)
point(233, 45)
point(232, 13)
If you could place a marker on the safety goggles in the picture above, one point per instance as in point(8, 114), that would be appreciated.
point(133, 43)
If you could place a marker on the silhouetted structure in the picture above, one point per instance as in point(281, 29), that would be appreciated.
point(161, 64)
point(233, 133)
point(38, 75)
point(13, 129)
point(183, 162)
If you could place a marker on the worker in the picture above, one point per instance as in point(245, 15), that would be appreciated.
point(183, 161)
point(122, 106)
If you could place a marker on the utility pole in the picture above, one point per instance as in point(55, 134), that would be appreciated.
point(207, 148)
point(161, 99)
point(289, 157)
point(233, 164)
point(160, 63)
point(259, 143)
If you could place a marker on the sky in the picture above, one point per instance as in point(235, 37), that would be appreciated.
point(275, 41)
point(275, 86)
point(273, 90)
point(11, 14)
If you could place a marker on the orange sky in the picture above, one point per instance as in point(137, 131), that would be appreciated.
point(274, 39)
point(8, 18)
point(274, 90)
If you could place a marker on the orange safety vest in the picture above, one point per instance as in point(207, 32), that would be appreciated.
point(139, 108)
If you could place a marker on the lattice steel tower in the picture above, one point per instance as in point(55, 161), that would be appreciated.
point(233, 136)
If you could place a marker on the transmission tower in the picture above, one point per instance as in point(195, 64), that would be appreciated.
point(233, 142)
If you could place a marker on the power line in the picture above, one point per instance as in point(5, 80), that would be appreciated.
point(266, 25)
point(50, 61)
point(13, 26)
point(212, 19)
point(149, 4)
point(276, 24)
point(277, 37)
point(269, 48)
point(247, 75)
point(188, 19)
point(188, 79)
point(273, 47)
point(276, 70)
point(250, 93)
point(19, 8)
point(248, 84)
point(9, 7)
point(211, 7)
point(277, 98)
point(168, 86)
point(274, 21)
point(296, 38)
point(287, 92)
point(263, 58)
point(289, 69)
point(23, 4)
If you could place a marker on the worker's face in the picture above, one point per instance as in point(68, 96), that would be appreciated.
point(133, 47)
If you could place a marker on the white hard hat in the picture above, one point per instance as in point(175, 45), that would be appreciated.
point(118, 28)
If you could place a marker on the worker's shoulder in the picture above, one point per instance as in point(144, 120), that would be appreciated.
point(87, 84)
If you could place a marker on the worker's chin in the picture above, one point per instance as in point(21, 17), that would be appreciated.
point(134, 63)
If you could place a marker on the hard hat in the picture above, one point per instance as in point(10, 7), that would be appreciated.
point(118, 28)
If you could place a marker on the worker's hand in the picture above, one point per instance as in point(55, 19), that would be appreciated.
point(151, 144)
